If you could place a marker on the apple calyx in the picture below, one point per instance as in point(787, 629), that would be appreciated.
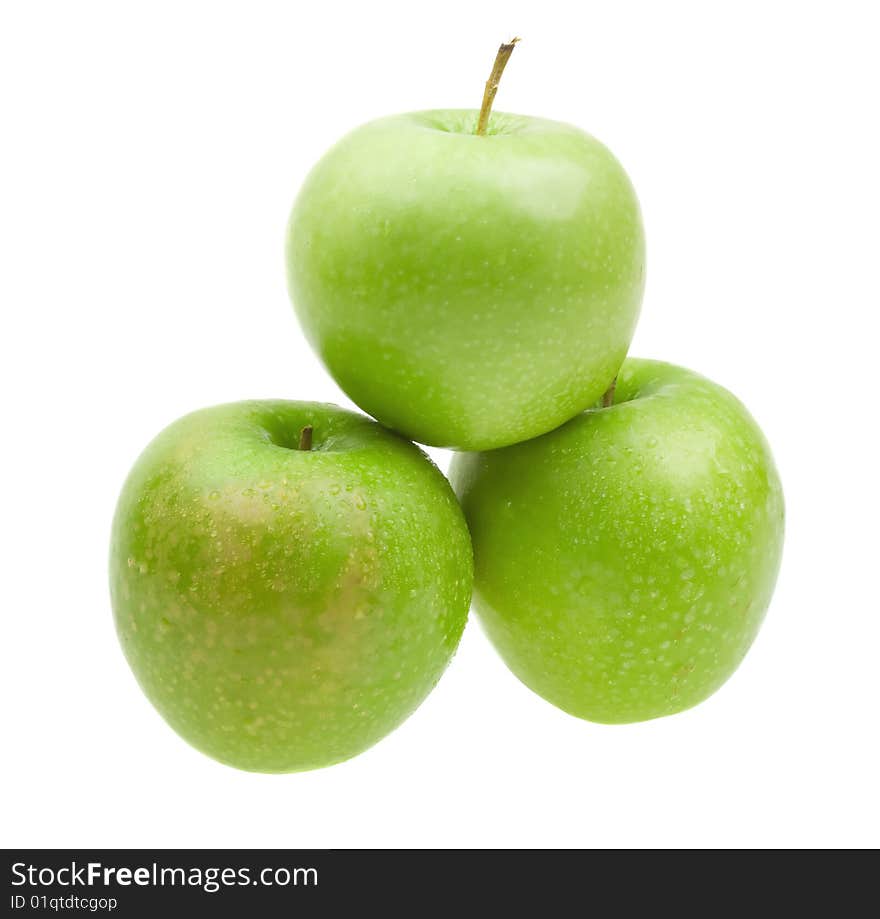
point(305, 438)
point(501, 60)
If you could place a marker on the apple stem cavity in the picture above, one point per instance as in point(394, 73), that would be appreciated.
point(608, 398)
point(305, 438)
point(501, 60)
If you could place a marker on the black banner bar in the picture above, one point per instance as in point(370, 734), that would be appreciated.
point(274, 882)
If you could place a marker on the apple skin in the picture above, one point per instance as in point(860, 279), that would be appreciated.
point(624, 562)
point(286, 609)
point(468, 291)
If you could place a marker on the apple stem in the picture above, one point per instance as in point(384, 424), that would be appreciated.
point(501, 60)
point(305, 438)
point(608, 398)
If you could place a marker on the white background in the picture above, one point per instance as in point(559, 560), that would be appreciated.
point(150, 154)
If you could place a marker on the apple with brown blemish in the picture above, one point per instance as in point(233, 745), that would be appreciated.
point(289, 581)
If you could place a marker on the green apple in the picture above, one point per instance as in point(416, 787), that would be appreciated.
point(624, 562)
point(468, 290)
point(283, 603)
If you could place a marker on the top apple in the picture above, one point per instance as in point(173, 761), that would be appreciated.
point(469, 291)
